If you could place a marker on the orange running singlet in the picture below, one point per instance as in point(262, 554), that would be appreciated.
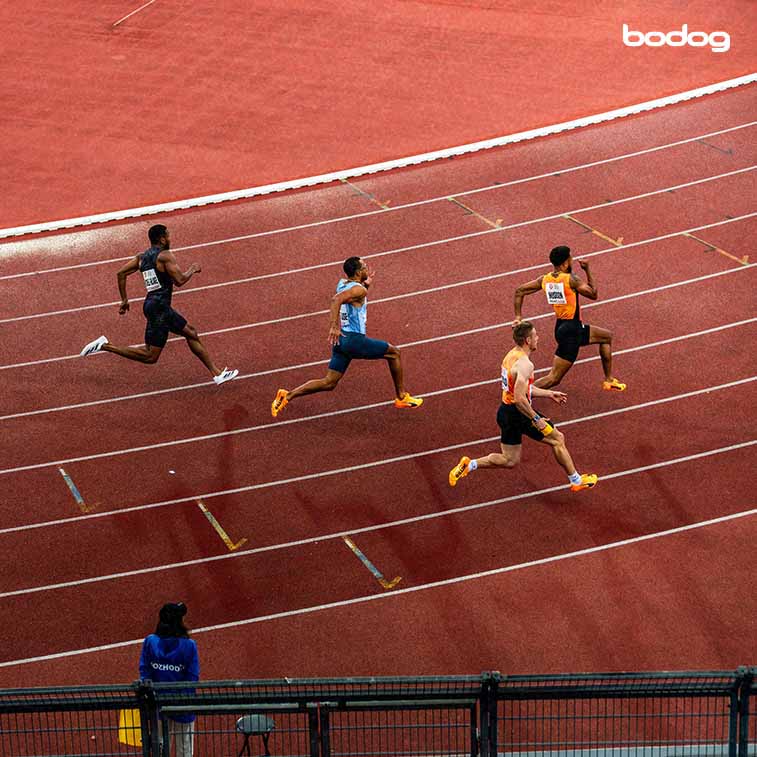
point(509, 376)
point(560, 295)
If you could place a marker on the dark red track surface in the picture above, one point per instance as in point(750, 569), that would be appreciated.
point(182, 100)
point(676, 600)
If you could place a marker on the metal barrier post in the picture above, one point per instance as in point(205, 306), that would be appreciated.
point(145, 705)
point(148, 714)
point(313, 726)
point(747, 679)
point(323, 717)
point(488, 714)
point(475, 740)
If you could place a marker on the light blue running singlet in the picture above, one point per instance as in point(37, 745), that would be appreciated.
point(352, 319)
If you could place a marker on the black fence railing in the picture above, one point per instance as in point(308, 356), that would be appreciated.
point(688, 714)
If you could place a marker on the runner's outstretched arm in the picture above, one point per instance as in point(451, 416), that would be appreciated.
point(522, 291)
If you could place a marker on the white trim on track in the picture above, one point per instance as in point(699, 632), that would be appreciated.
point(378, 167)
point(410, 248)
point(356, 216)
point(447, 581)
point(364, 466)
point(430, 340)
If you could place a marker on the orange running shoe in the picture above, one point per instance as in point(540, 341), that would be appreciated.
point(613, 385)
point(588, 481)
point(459, 471)
point(280, 402)
point(407, 401)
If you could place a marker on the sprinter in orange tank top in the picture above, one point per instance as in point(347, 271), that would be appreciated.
point(517, 417)
point(562, 288)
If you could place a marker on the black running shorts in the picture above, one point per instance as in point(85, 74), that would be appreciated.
point(161, 319)
point(570, 337)
point(514, 424)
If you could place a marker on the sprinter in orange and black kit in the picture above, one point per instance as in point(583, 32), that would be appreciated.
point(562, 289)
point(516, 417)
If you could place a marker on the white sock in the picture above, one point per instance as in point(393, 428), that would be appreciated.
point(575, 478)
point(472, 465)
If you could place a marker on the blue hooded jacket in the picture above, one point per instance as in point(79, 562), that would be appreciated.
point(170, 659)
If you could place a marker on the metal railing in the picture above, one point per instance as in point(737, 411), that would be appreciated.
point(688, 714)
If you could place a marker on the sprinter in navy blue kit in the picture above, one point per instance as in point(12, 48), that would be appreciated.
point(349, 313)
point(169, 655)
point(160, 273)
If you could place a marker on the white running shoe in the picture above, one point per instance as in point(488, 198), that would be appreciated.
point(225, 375)
point(95, 346)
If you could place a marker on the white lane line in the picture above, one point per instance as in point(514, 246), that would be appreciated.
point(361, 466)
point(354, 216)
point(395, 593)
point(470, 332)
point(133, 13)
point(419, 246)
point(503, 274)
point(445, 582)
point(444, 337)
point(366, 529)
point(335, 176)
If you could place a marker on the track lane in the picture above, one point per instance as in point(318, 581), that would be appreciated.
point(306, 507)
point(413, 225)
point(87, 380)
point(584, 145)
point(671, 313)
point(327, 571)
point(641, 132)
point(247, 402)
point(234, 452)
point(623, 588)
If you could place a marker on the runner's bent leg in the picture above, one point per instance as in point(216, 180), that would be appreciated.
point(199, 349)
point(560, 367)
point(148, 354)
point(603, 338)
point(508, 458)
point(326, 384)
point(392, 357)
point(556, 440)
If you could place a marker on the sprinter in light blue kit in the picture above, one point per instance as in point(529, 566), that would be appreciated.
point(349, 308)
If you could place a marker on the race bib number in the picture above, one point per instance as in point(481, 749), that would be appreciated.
point(556, 293)
point(506, 382)
point(151, 280)
point(344, 317)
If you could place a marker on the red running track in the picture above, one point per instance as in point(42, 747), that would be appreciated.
point(246, 93)
point(671, 451)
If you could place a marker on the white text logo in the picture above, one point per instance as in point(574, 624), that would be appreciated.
point(167, 666)
point(719, 42)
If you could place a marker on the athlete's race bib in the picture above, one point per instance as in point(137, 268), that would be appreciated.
point(556, 293)
point(151, 280)
point(344, 317)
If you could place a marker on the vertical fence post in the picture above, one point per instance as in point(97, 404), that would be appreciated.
point(483, 714)
point(148, 717)
point(488, 714)
point(733, 714)
point(324, 721)
point(747, 678)
point(313, 725)
point(475, 737)
point(324, 727)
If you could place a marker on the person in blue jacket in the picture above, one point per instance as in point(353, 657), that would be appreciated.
point(169, 655)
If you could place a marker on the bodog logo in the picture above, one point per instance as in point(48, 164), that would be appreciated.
point(719, 42)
